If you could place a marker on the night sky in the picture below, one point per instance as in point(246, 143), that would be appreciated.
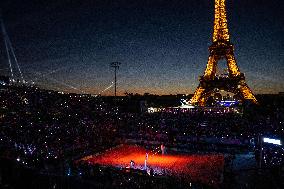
point(162, 45)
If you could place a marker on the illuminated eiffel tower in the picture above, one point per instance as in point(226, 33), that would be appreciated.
point(221, 48)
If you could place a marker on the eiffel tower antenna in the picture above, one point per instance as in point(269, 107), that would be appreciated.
point(221, 48)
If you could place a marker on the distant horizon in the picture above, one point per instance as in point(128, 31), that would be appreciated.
point(110, 91)
point(131, 93)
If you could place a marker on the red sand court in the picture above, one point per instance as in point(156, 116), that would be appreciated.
point(204, 168)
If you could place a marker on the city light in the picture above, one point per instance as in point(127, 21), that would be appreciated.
point(272, 141)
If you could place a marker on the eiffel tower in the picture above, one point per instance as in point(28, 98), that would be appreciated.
point(221, 48)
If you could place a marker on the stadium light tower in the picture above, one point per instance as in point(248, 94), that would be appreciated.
point(115, 65)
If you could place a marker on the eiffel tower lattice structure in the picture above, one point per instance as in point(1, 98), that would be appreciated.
point(221, 48)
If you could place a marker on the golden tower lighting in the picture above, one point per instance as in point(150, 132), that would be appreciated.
point(221, 48)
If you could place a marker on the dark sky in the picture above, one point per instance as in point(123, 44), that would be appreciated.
point(162, 45)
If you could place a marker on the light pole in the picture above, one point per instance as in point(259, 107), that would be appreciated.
point(115, 65)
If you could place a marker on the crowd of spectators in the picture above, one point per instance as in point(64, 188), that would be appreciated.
point(41, 128)
point(194, 128)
